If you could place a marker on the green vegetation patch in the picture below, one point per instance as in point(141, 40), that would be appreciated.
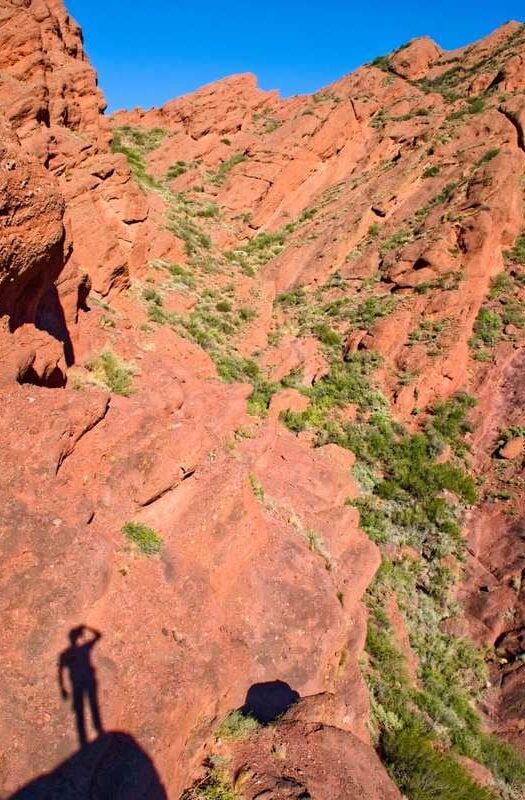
point(135, 144)
point(216, 785)
point(148, 541)
point(236, 726)
point(431, 172)
point(259, 250)
point(110, 371)
point(517, 254)
point(420, 730)
point(218, 178)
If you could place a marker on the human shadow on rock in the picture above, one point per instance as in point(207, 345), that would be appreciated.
point(268, 701)
point(76, 661)
point(112, 767)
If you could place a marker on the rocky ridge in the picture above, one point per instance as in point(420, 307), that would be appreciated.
point(228, 326)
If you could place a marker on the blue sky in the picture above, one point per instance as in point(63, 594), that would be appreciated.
point(149, 52)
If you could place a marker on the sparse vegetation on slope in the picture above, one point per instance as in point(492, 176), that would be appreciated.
point(405, 503)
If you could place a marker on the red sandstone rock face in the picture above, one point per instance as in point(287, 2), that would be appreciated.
point(492, 593)
point(32, 231)
point(263, 567)
point(414, 60)
point(308, 754)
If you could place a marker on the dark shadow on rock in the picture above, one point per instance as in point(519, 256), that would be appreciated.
point(76, 661)
point(112, 767)
point(50, 318)
point(267, 701)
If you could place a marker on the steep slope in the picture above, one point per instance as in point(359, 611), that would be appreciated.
point(233, 334)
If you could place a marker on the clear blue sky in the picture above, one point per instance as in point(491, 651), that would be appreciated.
point(147, 52)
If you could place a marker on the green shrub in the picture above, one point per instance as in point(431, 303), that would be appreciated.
point(424, 773)
point(152, 296)
point(512, 314)
point(216, 785)
point(271, 125)
point(147, 540)
point(257, 487)
point(295, 297)
point(209, 211)
point(326, 335)
point(146, 139)
point(381, 62)
point(501, 284)
point(476, 105)
point(431, 172)
point(368, 311)
point(179, 168)
point(449, 421)
point(233, 368)
point(108, 370)
point(181, 274)
point(246, 313)
point(487, 327)
point(236, 726)
point(182, 226)
point(517, 254)
point(372, 518)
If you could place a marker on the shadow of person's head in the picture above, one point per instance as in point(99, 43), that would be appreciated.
point(75, 634)
point(268, 701)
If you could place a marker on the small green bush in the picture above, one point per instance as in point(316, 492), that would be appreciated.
point(152, 296)
point(295, 297)
point(233, 368)
point(176, 169)
point(108, 370)
point(501, 284)
point(431, 171)
point(236, 726)
point(449, 420)
point(147, 540)
point(476, 105)
point(517, 254)
point(487, 327)
point(326, 335)
point(246, 313)
point(381, 62)
point(512, 314)
point(181, 274)
point(216, 785)
point(372, 518)
point(209, 211)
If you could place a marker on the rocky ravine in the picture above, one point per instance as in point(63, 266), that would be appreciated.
point(236, 328)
